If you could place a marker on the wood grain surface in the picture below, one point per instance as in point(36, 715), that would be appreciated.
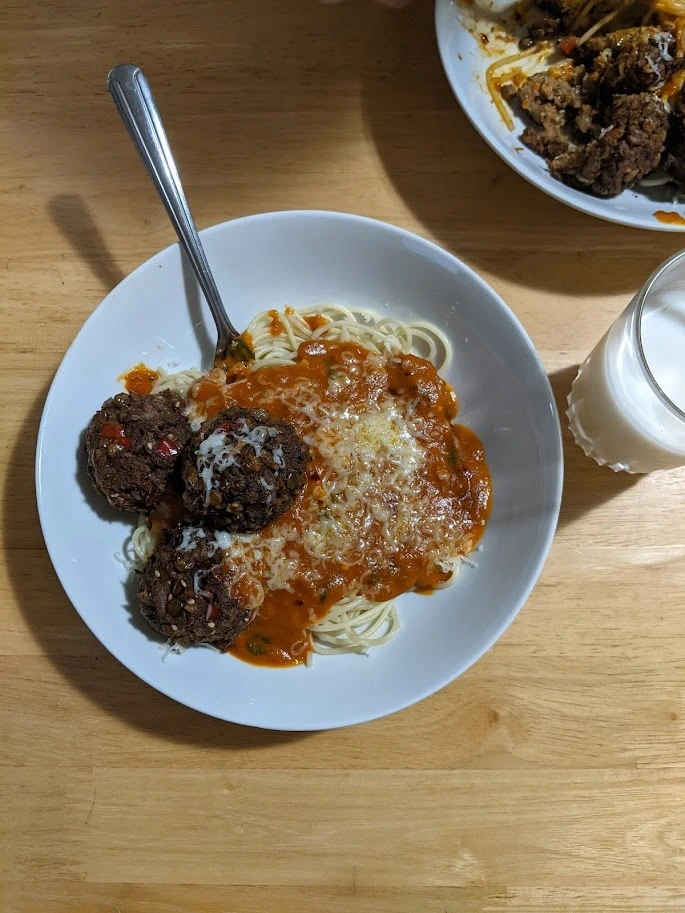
point(551, 776)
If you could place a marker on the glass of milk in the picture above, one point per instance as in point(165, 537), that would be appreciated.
point(626, 408)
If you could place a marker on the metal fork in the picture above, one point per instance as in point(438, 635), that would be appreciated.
point(136, 105)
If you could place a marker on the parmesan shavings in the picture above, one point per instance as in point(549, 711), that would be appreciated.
point(219, 451)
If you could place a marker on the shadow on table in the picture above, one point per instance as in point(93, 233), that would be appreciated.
point(88, 666)
point(255, 96)
point(466, 196)
point(74, 220)
point(293, 87)
point(586, 485)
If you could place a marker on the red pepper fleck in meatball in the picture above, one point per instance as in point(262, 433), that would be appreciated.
point(133, 443)
point(185, 590)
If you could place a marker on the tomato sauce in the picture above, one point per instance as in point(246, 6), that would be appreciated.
point(454, 484)
point(276, 327)
point(669, 218)
point(315, 321)
point(140, 379)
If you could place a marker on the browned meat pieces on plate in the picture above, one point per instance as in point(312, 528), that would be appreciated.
point(555, 106)
point(562, 12)
point(133, 443)
point(546, 98)
point(185, 593)
point(569, 13)
point(630, 146)
point(674, 160)
point(628, 61)
point(243, 469)
point(599, 119)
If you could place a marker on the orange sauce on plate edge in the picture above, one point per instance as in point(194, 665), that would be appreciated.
point(669, 218)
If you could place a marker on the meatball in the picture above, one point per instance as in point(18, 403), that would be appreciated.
point(546, 98)
point(133, 443)
point(184, 593)
point(629, 147)
point(243, 469)
point(552, 103)
point(629, 61)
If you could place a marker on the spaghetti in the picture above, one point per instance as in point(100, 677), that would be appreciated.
point(494, 85)
point(365, 515)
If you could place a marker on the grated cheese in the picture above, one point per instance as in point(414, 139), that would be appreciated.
point(220, 450)
point(662, 42)
point(374, 481)
point(189, 539)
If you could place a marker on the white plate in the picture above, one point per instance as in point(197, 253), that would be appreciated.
point(305, 258)
point(465, 62)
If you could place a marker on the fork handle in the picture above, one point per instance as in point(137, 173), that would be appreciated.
point(136, 105)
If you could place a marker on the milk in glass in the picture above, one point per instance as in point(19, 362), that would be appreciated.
point(627, 404)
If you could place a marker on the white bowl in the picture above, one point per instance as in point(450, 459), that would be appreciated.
point(465, 61)
point(299, 259)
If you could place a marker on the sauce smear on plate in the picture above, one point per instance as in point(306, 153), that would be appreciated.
point(669, 218)
point(140, 379)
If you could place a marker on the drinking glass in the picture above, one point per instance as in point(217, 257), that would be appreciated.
point(626, 408)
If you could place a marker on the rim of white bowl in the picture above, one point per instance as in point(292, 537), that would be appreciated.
point(556, 480)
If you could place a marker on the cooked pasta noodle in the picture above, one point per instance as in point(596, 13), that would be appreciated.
point(179, 382)
point(356, 623)
point(493, 83)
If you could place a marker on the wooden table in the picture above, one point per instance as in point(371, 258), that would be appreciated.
point(549, 777)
